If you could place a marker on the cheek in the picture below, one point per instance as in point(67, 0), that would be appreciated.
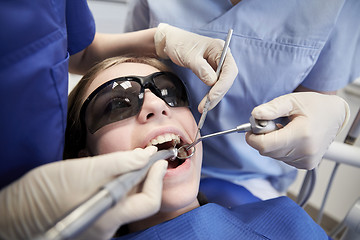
point(107, 141)
point(199, 156)
point(187, 120)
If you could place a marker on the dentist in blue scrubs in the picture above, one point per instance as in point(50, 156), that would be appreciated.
point(280, 47)
point(41, 42)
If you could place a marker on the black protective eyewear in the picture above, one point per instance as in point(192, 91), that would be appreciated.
point(123, 97)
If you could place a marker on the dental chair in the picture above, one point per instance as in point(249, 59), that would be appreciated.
point(345, 153)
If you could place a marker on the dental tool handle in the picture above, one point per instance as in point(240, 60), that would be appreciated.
point(218, 70)
point(223, 54)
point(204, 113)
point(263, 126)
point(89, 211)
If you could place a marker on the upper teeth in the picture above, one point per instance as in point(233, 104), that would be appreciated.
point(167, 137)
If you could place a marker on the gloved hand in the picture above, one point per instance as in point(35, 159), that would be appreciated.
point(35, 202)
point(200, 54)
point(315, 120)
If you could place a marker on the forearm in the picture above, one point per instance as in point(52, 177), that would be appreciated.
point(110, 45)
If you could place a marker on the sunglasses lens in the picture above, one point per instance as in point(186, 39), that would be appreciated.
point(115, 102)
point(172, 90)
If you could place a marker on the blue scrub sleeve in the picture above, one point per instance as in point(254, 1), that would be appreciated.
point(80, 26)
point(34, 59)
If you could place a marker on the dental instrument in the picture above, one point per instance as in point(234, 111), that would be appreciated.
point(254, 125)
point(221, 62)
point(89, 211)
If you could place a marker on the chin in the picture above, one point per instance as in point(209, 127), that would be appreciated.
point(176, 199)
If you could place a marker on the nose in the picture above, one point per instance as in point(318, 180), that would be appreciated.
point(153, 108)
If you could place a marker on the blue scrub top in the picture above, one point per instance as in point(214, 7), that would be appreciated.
point(278, 218)
point(36, 41)
point(278, 45)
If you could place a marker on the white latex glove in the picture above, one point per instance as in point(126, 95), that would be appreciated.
point(35, 202)
point(315, 120)
point(200, 54)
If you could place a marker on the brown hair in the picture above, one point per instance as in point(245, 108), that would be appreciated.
point(75, 137)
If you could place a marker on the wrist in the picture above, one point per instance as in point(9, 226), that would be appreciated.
point(160, 40)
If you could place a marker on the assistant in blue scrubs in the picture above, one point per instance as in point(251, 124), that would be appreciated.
point(278, 46)
point(36, 41)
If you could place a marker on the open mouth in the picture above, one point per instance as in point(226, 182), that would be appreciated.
point(168, 141)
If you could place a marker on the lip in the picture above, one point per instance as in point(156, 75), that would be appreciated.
point(171, 172)
point(163, 130)
point(185, 166)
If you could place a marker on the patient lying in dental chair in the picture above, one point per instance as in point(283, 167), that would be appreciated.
point(126, 103)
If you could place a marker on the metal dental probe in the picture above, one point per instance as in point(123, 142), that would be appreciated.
point(221, 62)
point(256, 126)
point(89, 211)
point(241, 128)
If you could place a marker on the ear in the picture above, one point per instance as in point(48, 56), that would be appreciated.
point(83, 153)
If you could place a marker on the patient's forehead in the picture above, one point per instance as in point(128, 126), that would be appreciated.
point(121, 70)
